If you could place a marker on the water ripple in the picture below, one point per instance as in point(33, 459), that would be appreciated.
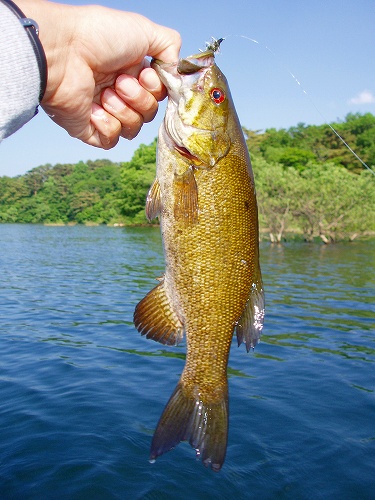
point(82, 391)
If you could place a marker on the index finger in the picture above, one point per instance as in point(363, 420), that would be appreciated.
point(150, 81)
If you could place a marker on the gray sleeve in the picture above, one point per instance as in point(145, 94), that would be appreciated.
point(19, 75)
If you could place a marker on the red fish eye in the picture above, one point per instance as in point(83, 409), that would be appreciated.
point(217, 95)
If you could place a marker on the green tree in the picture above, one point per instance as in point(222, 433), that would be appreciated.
point(290, 157)
point(318, 143)
point(83, 193)
point(36, 177)
point(276, 190)
point(334, 203)
point(137, 177)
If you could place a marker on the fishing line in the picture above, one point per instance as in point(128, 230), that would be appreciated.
point(305, 93)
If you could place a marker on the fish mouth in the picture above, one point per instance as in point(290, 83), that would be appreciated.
point(158, 63)
point(195, 63)
point(187, 66)
point(203, 59)
point(191, 64)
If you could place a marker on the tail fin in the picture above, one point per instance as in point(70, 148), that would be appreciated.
point(203, 424)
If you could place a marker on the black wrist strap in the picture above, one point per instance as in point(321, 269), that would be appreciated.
point(32, 29)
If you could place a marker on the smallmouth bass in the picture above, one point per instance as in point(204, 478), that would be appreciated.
point(204, 195)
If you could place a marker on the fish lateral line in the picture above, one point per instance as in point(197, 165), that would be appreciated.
point(278, 58)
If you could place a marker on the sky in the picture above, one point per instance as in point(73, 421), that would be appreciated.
point(313, 63)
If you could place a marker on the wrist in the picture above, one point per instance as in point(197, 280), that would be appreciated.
point(32, 29)
point(54, 36)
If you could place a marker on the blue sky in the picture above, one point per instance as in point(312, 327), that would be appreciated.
point(327, 44)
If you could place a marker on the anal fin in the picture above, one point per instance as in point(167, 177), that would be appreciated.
point(250, 325)
point(155, 317)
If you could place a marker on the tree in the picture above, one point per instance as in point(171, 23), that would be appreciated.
point(290, 157)
point(333, 203)
point(63, 193)
point(137, 177)
point(318, 143)
point(36, 177)
point(276, 190)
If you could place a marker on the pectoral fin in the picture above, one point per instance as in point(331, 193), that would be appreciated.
point(153, 201)
point(249, 326)
point(155, 318)
point(186, 197)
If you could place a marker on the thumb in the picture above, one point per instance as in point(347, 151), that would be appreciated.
point(164, 43)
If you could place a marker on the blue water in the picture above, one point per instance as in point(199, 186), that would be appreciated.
point(81, 391)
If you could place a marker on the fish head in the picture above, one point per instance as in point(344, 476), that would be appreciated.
point(199, 104)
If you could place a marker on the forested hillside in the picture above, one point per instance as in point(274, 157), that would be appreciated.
point(85, 192)
point(298, 146)
point(308, 184)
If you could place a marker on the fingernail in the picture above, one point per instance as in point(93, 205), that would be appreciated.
point(128, 85)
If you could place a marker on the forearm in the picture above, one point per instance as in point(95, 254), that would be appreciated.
point(56, 28)
point(20, 76)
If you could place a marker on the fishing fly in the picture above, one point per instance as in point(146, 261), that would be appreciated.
point(214, 45)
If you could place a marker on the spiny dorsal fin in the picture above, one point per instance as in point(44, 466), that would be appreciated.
point(155, 317)
point(249, 326)
point(153, 201)
point(186, 197)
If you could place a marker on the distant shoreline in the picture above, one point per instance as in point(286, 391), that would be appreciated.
point(264, 233)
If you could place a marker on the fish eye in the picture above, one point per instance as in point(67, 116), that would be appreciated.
point(217, 95)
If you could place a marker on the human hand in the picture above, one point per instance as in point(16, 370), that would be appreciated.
point(100, 85)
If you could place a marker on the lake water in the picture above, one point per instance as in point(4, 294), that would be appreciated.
point(81, 391)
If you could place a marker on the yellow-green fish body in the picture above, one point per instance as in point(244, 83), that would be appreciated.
point(205, 196)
